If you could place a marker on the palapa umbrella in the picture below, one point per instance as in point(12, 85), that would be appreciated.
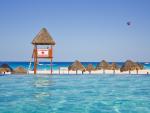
point(76, 66)
point(103, 65)
point(6, 68)
point(130, 65)
point(90, 68)
point(20, 70)
point(139, 67)
point(114, 67)
point(3, 70)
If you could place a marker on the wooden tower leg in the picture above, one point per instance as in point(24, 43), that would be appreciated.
point(35, 60)
point(35, 65)
point(51, 60)
point(51, 66)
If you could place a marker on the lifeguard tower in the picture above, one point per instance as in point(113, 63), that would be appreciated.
point(43, 48)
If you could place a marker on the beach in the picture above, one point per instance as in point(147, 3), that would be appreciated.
point(117, 72)
point(62, 68)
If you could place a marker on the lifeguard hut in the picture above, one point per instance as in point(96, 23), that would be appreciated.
point(43, 48)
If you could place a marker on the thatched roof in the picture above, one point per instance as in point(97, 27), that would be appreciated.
point(43, 38)
point(2, 70)
point(103, 65)
point(130, 65)
point(76, 66)
point(114, 66)
point(20, 70)
point(140, 66)
point(6, 67)
point(90, 67)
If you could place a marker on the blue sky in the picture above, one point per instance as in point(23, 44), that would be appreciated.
point(88, 30)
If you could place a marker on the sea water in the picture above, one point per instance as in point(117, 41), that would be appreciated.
point(75, 94)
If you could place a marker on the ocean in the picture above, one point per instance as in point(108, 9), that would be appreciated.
point(56, 65)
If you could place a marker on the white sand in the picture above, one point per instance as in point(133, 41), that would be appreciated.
point(6, 73)
point(93, 72)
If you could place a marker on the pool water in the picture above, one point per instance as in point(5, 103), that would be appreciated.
point(75, 94)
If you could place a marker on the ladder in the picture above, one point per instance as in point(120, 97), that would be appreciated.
point(30, 63)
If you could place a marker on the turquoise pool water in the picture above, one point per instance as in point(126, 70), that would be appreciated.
point(75, 94)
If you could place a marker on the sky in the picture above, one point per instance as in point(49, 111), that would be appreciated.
point(87, 30)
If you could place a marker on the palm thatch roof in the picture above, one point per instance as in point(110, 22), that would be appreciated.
point(103, 65)
point(76, 66)
point(114, 66)
point(43, 38)
point(90, 67)
point(20, 70)
point(130, 65)
point(2, 70)
point(6, 67)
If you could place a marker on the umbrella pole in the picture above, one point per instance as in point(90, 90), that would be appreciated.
point(114, 72)
point(59, 70)
point(137, 71)
point(103, 71)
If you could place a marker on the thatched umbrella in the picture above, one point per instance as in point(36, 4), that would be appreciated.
point(6, 68)
point(43, 38)
point(90, 68)
point(20, 70)
point(114, 67)
point(103, 65)
point(130, 65)
point(139, 67)
point(3, 70)
point(76, 66)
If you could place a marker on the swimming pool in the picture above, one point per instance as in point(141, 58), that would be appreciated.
point(74, 94)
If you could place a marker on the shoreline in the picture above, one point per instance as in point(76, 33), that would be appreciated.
point(62, 68)
point(117, 72)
